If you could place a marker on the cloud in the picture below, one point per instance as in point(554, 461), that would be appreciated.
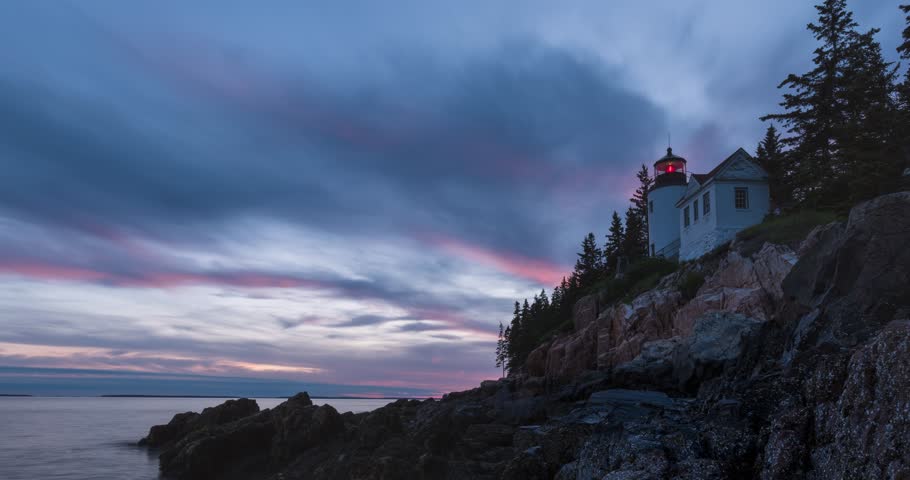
point(364, 320)
point(421, 327)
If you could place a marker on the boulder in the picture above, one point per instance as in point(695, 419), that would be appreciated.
point(207, 453)
point(866, 432)
point(572, 354)
point(183, 424)
point(682, 364)
point(849, 285)
point(536, 363)
point(481, 436)
point(746, 285)
point(299, 427)
point(585, 311)
point(624, 328)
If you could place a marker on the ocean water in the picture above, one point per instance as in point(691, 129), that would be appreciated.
point(45, 438)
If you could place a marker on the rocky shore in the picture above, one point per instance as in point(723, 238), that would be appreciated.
point(789, 362)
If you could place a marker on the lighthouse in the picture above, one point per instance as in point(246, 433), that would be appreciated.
point(663, 215)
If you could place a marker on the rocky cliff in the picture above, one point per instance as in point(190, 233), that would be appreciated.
point(791, 362)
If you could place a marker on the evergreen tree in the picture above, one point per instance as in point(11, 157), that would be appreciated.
point(566, 298)
point(839, 118)
point(569, 300)
point(544, 301)
point(904, 48)
point(589, 265)
point(500, 350)
point(633, 245)
point(556, 300)
point(872, 160)
point(507, 349)
point(514, 337)
point(770, 156)
point(614, 247)
point(904, 91)
point(640, 203)
point(814, 106)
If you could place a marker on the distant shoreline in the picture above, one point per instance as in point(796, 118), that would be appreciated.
point(263, 397)
point(205, 396)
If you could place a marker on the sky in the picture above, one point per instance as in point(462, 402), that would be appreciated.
point(235, 197)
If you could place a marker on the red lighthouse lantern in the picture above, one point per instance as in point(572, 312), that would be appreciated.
point(670, 164)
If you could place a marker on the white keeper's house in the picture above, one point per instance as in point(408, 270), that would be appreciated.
point(691, 214)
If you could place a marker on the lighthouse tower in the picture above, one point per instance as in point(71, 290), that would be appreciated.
point(663, 216)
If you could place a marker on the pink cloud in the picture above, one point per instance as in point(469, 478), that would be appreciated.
point(541, 271)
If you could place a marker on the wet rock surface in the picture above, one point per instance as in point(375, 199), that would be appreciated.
point(785, 364)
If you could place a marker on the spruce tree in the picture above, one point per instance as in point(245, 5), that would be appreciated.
point(770, 156)
point(589, 265)
point(640, 202)
point(904, 48)
point(507, 348)
point(544, 301)
point(500, 350)
point(567, 297)
point(514, 336)
point(614, 247)
point(841, 117)
point(633, 245)
point(904, 91)
point(556, 300)
point(872, 158)
point(815, 106)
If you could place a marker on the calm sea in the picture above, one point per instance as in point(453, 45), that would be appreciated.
point(44, 438)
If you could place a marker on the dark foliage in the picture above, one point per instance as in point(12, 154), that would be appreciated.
point(690, 283)
point(770, 156)
point(845, 140)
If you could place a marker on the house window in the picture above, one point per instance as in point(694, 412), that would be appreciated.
point(742, 198)
point(652, 250)
point(706, 202)
point(686, 216)
point(651, 206)
point(695, 210)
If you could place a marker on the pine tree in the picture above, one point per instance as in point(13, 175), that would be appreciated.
point(640, 203)
point(633, 245)
point(544, 301)
point(589, 265)
point(507, 349)
point(567, 295)
point(771, 157)
point(614, 247)
point(904, 48)
point(514, 337)
point(904, 91)
point(871, 146)
point(815, 105)
point(500, 350)
point(556, 300)
point(841, 116)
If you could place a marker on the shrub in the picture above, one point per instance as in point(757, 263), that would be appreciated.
point(690, 283)
point(642, 275)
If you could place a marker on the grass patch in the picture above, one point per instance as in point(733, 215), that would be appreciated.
point(786, 230)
